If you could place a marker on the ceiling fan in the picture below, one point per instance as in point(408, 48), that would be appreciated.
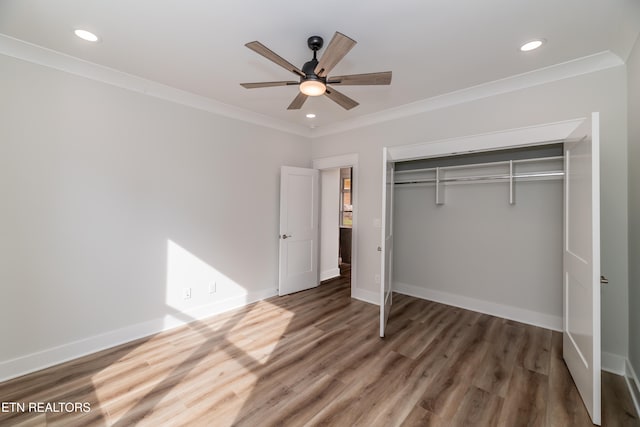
point(313, 76)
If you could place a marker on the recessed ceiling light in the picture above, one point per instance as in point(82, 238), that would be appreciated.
point(311, 116)
point(532, 45)
point(86, 35)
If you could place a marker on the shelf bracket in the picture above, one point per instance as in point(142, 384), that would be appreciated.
point(439, 188)
point(512, 196)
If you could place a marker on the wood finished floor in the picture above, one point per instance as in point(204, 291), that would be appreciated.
point(314, 358)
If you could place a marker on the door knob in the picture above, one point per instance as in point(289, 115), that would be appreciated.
point(603, 280)
point(286, 236)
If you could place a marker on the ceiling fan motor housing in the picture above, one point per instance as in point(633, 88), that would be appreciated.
point(309, 72)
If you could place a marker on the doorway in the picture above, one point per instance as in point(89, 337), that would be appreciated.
point(338, 218)
point(336, 221)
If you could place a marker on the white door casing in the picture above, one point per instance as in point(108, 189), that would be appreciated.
point(581, 332)
point(299, 240)
point(386, 273)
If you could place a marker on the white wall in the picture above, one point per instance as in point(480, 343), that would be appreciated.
point(603, 91)
point(633, 75)
point(113, 202)
point(329, 223)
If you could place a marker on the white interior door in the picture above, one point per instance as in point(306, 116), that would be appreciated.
point(581, 337)
point(299, 198)
point(386, 273)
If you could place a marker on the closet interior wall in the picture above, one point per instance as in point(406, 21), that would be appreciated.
point(487, 241)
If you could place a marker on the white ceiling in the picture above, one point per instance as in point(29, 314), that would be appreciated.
point(433, 47)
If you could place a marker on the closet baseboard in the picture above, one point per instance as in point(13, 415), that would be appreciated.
point(522, 315)
point(633, 384)
point(366, 296)
point(613, 363)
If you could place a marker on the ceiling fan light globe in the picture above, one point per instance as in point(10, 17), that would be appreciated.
point(313, 88)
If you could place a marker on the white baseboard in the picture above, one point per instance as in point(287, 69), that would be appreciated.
point(43, 359)
point(633, 384)
point(329, 274)
point(530, 317)
point(365, 295)
point(613, 363)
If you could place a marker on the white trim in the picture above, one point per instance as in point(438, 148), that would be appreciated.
point(20, 49)
point(365, 295)
point(347, 161)
point(25, 51)
point(613, 363)
point(525, 136)
point(329, 274)
point(522, 315)
point(634, 389)
point(332, 162)
point(576, 67)
point(43, 359)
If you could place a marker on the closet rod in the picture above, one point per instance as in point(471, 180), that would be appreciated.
point(483, 177)
point(475, 165)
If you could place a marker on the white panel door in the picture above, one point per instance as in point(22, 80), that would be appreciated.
point(581, 335)
point(386, 273)
point(299, 198)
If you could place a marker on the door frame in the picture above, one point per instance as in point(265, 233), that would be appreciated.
point(346, 161)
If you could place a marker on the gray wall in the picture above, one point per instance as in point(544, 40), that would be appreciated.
point(633, 73)
point(111, 199)
point(603, 91)
point(478, 245)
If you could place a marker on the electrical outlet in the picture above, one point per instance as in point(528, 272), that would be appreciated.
point(376, 278)
point(186, 293)
point(213, 287)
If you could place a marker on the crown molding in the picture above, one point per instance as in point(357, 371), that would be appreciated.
point(20, 49)
point(29, 52)
point(585, 65)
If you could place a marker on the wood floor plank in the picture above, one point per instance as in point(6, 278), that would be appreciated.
point(315, 358)
point(565, 408)
point(420, 417)
point(499, 361)
point(478, 408)
point(618, 410)
point(526, 401)
point(535, 349)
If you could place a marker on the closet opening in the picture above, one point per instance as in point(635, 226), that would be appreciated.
point(509, 228)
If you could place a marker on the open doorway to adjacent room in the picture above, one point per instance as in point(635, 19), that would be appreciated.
point(336, 223)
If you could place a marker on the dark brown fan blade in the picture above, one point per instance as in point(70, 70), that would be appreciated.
point(383, 78)
point(261, 49)
point(267, 84)
point(297, 102)
point(341, 99)
point(338, 47)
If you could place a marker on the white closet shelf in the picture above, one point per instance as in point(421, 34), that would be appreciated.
point(437, 175)
point(551, 174)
